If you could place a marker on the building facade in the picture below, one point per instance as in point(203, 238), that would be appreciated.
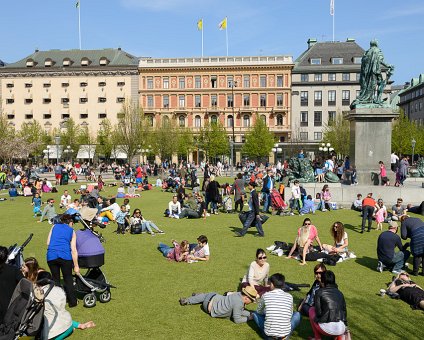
point(193, 92)
point(53, 86)
point(411, 100)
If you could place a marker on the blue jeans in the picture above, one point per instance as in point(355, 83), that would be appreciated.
point(149, 225)
point(267, 201)
point(164, 249)
point(260, 322)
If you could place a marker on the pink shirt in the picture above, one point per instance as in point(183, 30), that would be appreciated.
point(383, 171)
point(313, 232)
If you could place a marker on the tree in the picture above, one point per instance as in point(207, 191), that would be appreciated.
point(337, 133)
point(164, 141)
point(85, 137)
point(402, 134)
point(131, 130)
point(34, 136)
point(106, 139)
point(185, 142)
point(259, 141)
point(69, 134)
point(213, 140)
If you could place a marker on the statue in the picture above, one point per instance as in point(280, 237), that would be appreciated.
point(301, 169)
point(420, 167)
point(371, 78)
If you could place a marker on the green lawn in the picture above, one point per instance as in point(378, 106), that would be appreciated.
point(145, 303)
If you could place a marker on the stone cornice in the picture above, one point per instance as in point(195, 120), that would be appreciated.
point(67, 73)
point(217, 69)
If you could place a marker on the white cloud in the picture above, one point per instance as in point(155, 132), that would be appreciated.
point(159, 5)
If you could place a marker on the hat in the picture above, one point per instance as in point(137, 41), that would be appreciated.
point(253, 184)
point(393, 224)
point(250, 292)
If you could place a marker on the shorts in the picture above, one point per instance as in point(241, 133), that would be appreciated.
point(58, 176)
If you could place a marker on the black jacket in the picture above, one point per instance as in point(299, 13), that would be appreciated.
point(330, 305)
point(255, 201)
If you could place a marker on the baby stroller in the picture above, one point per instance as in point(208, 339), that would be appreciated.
point(16, 253)
point(277, 202)
point(93, 284)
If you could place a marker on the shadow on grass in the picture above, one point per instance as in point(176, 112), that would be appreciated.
point(368, 262)
point(352, 227)
point(251, 230)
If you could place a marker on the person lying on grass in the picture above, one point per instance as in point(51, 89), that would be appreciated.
point(178, 253)
point(199, 252)
point(408, 291)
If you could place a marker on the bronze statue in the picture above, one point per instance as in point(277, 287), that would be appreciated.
point(371, 78)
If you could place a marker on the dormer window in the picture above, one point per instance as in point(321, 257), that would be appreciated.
point(337, 61)
point(48, 62)
point(315, 61)
point(30, 63)
point(85, 62)
point(66, 62)
point(357, 60)
point(103, 61)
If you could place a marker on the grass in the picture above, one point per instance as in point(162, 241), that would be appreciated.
point(145, 303)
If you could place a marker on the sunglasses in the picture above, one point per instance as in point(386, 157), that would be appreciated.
point(262, 258)
point(307, 224)
point(319, 272)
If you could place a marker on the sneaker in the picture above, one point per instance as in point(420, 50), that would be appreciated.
point(340, 260)
point(396, 272)
point(292, 214)
point(352, 255)
point(161, 232)
point(183, 302)
point(280, 252)
point(237, 234)
point(258, 235)
point(380, 266)
point(207, 214)
point(324, 209)
point(271, 248)
point(320, 260)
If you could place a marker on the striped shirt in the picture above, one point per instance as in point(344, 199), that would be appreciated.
point(277, 306)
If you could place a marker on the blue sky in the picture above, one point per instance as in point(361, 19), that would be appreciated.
point(167, 28)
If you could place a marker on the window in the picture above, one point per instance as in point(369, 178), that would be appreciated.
point(317, 118)
point(27, 85)
point(181, 82)
point(120, 99)
point(262, 80)
point(357, 60)
point(102, 83)
point(197, 121)
point(29, 116)
point(214, 82)
point(10, 116)
point(66, 62)
point(318, 98)
point(303, 136)
point(263, 118)
point(47, 100)
point(83, 84)
point(263, 100)
point(150, 83)
point(246, 81)
point(303, 98)
point(181, 101)
point(120, 83)
point(230, 81)
point(214, 100)
point(315, 61)
point(279, 99)
point(65, 116)
point(165, 121)
point(150, 101)
point(346, 76)
point(85, 62)
point(46, 85)
point(181, 121)
point(358, 76)
point(30, 63)
point(165, 82)
point(10, 85)
point(150, 120)
point(357, 93)
point(103, 61)
point(331, 77)
point(246, 121)
point(331, 116)
point(304, 78)
point(317, 77)
point(165, 101)
point(214, 119)
point(337, 61)
point(101, 99)
point(246, 100)
point(303, 118)
point(243, 139)
point(10, 101)
point(317, 135)
point(102, 115)
point(230, 121)
point(83, 115)
point(230, 100)
point(332, 97)
point(280, 81)
point(197, 82)
point(28, 100)
point(345, 97)
point(65, 84)
point(279, 121)
point(83, 100)
point(47, 116)
point(197, 100)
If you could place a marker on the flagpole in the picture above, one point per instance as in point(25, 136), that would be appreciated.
point(334, 12)
point(226, 33)
point(79, 23)
point(202, 37)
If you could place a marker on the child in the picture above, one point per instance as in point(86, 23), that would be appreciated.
point(379, 218)
point(36, 202)
point(127, 205)
point(49, 212)
point(357, 204)
point(121, 218)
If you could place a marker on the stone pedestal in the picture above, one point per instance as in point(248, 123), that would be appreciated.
point(370, 141)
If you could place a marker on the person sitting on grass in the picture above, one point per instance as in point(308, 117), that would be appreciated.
point(398, 210)
point(326, 198)
point(357, 204)
point(308, 301)
point(274, 315)
point(137, 218)
point(111, 210)
point(174, 208)
point(198, 211)
point(230, 306)
point(200, 252)
point(308, 206)
point(257, 275)
point(58, 323)
point(178, 253)
point(49, 212)
point(408, 291)
point(340, 240)
point(30, 269)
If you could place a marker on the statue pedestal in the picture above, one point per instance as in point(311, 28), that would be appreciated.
point(370, 141)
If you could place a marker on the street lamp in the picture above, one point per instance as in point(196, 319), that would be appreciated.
point(413, 142)
point(276, 150)
point(233, 84)
point(68, 151)
point(57, 142)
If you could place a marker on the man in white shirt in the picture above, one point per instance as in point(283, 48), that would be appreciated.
point(394, 161)
point(274, 315)
point(296, 197)
point(174, 208)
point(65, 200)
point(110, 211)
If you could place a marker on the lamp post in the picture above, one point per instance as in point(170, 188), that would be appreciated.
point(68, 151)
point(233, 84)
point(276, 150)
point(413, 142)
point(57, 142)
point(48, 147)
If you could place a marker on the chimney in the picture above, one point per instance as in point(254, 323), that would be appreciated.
point(311, 42)
point(351, 40)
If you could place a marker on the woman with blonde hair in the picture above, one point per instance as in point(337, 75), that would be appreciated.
point(340, 239)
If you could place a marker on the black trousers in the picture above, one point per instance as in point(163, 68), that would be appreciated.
point(237, 204)
point(65, 266)
point(367, 213)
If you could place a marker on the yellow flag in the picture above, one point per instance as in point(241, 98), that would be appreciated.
point(200, 25)
point(223, 24)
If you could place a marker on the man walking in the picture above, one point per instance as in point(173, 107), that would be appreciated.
point(253, 215)
point(268, 185)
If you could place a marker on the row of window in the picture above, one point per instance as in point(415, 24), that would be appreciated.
point(304, 118)
point(48, 62)
point(330, 77)
point(331, 97)
point(335, 61)
point(66, 84)
point(304, 136)
point(63, 116)
point(65, 100)
point(214, 100)
point(414, 107)
point(264, 81)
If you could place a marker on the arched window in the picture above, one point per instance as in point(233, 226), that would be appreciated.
point(246, 121)
point(214, 119)
point(230, 121)
point(197, 121)
point(165, 121)
point(279, 120)
point(181, 121)
point(263, 118)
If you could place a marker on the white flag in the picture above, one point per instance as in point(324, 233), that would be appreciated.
point(331, 7)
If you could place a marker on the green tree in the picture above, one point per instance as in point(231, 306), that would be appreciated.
point(402, 134)
point(69, 135)
point(87, 139)
point(185, 142)
point(35, 137)
point(213, 140)
point(164, 141)
point(259, 141)
point(106, 139)
point(337, 133)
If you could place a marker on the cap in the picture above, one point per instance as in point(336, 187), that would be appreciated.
point(250, 292)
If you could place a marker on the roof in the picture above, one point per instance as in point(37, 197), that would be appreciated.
point(114, 57)
point(328, 50)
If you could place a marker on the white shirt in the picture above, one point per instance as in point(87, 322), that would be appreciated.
point(296, 191)
point(174, 207)
point(114, 208)
point(57, 317)
point(206, 250)
point(65, 200)
point(393, 158)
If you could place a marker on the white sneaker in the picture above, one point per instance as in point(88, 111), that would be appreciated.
point(340, 260)
point(352, 255)
point(320, 260)
point(280, 252)
point(271, 248)
point(324, 209)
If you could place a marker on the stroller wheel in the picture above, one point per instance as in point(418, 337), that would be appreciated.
point(90, 300)
point(105, 296)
